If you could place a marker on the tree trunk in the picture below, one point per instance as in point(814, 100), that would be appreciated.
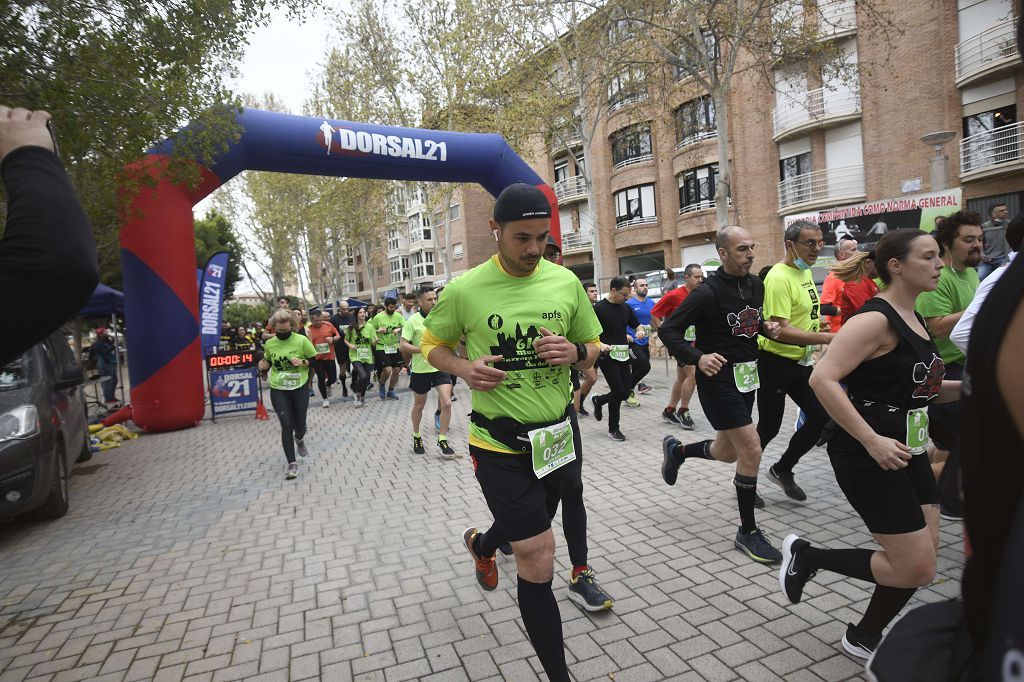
point(724, 185)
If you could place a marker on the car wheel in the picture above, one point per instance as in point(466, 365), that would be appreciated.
point(86, 452)
point(56, 503)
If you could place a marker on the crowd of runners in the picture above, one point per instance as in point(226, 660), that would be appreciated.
point(528, 339)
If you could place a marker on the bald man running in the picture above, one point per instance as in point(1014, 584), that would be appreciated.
point(726, 312)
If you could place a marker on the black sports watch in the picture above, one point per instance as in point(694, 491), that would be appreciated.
point(581, 352)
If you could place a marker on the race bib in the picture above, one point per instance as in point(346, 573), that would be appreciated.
point(322, 348)
point(551, 447)
point(390, 349)
point(363, 354)
point(620, 353)
point(745, 376)
point(691, 333)
point(917, 431)
point(289, 380)
point(808, 359)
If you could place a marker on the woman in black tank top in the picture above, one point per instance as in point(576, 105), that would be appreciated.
point(892, 371)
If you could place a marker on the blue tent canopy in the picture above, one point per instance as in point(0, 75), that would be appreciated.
point(104, 302)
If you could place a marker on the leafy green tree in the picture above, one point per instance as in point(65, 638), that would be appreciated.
point(213, 234)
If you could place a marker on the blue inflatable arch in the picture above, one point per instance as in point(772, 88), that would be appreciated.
point(158, 247)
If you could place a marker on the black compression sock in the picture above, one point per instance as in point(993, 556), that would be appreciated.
point(485, 544)
point(854, 563)
point(746, 491)
point(544, 626)
point(885, 604)
point(700, 449)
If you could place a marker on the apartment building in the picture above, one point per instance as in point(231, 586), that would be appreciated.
point(861, 154)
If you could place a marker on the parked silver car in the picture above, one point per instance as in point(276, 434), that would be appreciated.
point(43, 429)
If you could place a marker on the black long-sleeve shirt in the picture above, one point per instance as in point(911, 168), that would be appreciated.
point(726, 313)
point(613, 318)
point(47, 254)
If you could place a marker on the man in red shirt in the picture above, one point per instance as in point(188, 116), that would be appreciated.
point(686, 383)
point(832, 287)
point(323, 335)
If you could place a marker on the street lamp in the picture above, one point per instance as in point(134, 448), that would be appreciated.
point(938, 165)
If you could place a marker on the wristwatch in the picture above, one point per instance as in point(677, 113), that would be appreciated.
point(581, 352)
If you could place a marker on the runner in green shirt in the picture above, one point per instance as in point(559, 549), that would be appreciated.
point(360, 338)
point(388, 324)
point(287, 356)
point(525, 320)
point(424, 377)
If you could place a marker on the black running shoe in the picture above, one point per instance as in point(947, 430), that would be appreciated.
point(858, 645)
point(785, 481)
point(685, 419)
point(756, 546)
point(597, 408)
point(671, 417)
point(669, 462)
point(616, 435)
point(583, 590)
point(583, 412)
point(793, 575)
point(417, 445)
point(505, 548)
point(446, 449)
point(643, 388)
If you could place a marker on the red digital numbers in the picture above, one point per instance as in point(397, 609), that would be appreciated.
point(230, 360)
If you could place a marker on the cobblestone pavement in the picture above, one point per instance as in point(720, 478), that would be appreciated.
point(188, 556)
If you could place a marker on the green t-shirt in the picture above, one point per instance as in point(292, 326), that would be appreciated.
point(953, 294)
point(392, 324)
point(501, 315)
point(413, 333)
point(283, 375)
point(790, 293)
point(366, 337)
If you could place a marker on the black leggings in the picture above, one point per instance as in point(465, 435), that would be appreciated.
point(641, 365)
point(781, 377)
point(326, 374)
point(291, 409)
point(617, 375)
point(360, 377)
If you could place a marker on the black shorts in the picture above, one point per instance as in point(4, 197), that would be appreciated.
point(341, 353)
point(519, 500)
point(574, 377)
point(889, 501)
point(680, 363)
point(383, 359)
point(723, 404)
point(422, 382)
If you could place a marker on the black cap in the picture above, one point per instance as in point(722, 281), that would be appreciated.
point(520, 201)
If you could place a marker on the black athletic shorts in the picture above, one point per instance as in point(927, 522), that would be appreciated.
point(574, 377)
point(341, 353)
point(518, 500)
point(383, 359)
point(889, 501)
point(723, 404)
point(422, 382)
point(680, 363)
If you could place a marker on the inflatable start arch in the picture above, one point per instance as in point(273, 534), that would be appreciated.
point(158, 246)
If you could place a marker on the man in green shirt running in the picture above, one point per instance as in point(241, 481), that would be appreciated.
point(424, 377)
point(388, 324)
point(525, 320)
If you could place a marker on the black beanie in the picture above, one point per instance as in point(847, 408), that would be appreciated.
point(520, 201)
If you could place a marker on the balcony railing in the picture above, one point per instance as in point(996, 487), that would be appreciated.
point(571, 189)
point(701, 206)
point(989, 50)
point(632, 160)
point(697, 137)
point(567, 140)
point(992, 150)
point(843, 182)
point(577, 241)
point(836, 17)
point(629, 222)
point(626, 101)
point(799, 111)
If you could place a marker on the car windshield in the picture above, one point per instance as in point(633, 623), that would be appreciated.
point(16, 373)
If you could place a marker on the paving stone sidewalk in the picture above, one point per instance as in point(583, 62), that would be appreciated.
point(188, 556)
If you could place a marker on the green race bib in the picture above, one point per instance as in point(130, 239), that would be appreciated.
point(289, 380)
point(745, 376)
point(322, 348)
point(808, 359)
point(551, 447)
point(917, 431)
point(390, 349)
point(620, 353)
point(691, 334)
point(363, 354)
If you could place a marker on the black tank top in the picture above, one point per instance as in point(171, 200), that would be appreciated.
point(908, 376)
